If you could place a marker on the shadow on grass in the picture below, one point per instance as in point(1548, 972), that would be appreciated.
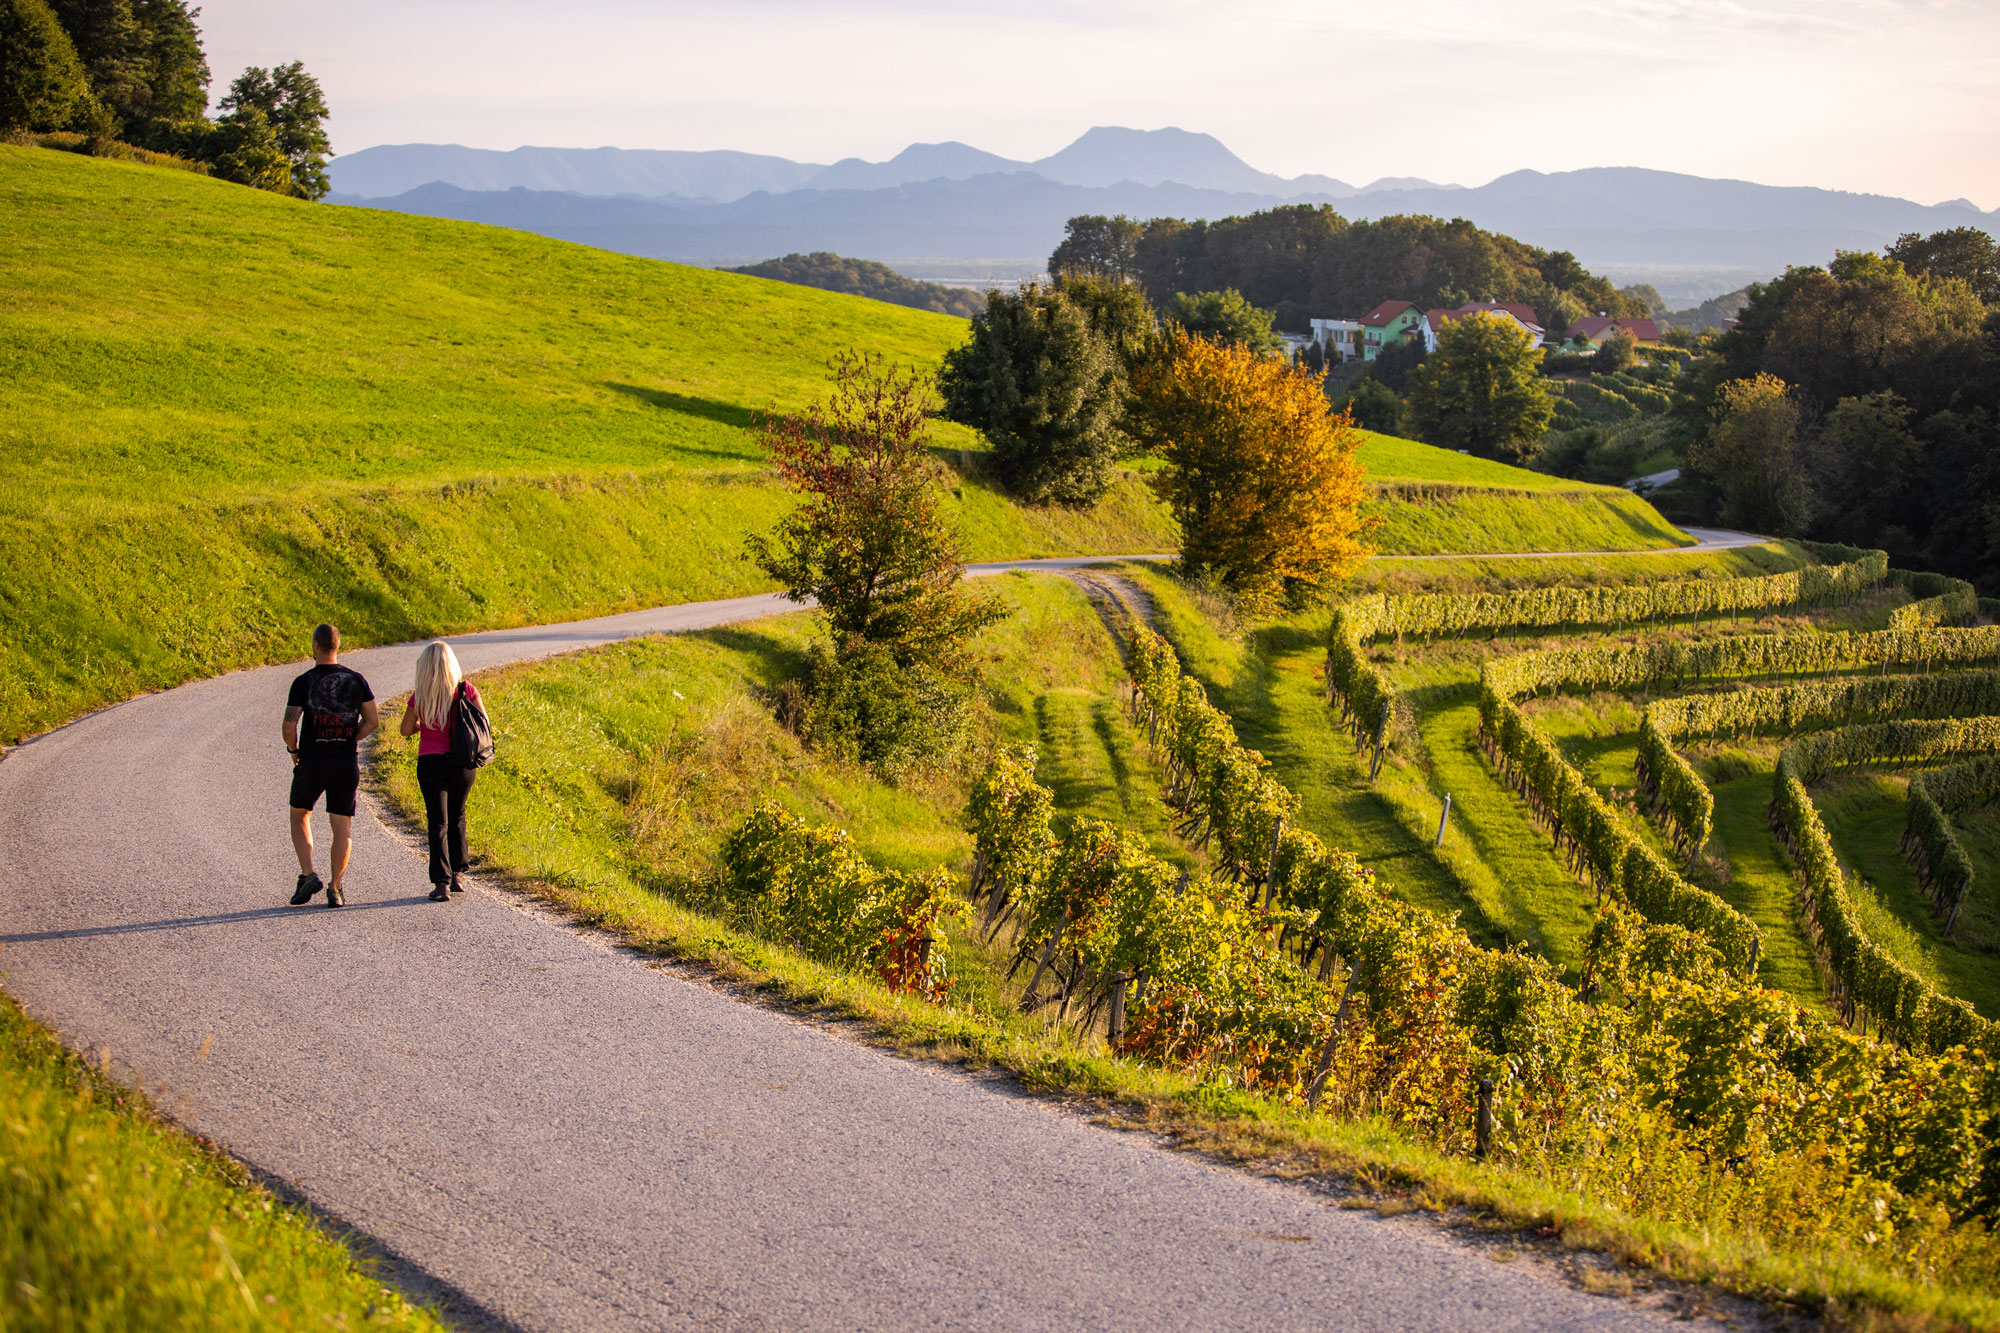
point(687, 405)
point(773, 660)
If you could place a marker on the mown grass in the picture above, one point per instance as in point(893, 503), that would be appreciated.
point(231, 415)
point(590, 757)
point(112, 1218)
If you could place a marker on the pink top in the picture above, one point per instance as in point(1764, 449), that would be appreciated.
point(437, 740)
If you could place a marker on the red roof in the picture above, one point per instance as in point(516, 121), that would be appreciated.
point(1594, 327)
point(1385, 312)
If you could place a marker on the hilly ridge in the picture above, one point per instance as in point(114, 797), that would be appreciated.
point(952, 209)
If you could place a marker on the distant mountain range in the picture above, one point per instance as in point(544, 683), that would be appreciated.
point(936, 208)
point(1104, 156)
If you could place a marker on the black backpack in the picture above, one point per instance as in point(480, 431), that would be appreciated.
point(471, 733)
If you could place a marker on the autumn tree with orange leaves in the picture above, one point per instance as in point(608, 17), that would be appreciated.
point(1262, 476)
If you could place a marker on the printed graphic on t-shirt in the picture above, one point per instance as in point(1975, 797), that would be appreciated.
point(330, 697)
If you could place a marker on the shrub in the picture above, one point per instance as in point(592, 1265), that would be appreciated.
point(856, 703)
point(809, 888)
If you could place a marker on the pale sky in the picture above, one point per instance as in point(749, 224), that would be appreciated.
point(1894, 97)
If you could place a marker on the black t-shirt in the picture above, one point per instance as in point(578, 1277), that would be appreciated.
point(331, 697)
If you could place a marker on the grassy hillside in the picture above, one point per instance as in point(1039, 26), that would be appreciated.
point(230, 415)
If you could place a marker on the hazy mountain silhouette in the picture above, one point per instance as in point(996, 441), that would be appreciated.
point(1104, 156)
point(947, 202)
point(395, 168)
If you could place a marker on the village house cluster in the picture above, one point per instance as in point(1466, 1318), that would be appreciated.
point(1394, 321)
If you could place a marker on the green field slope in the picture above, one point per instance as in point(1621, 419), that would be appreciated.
point(231, 414)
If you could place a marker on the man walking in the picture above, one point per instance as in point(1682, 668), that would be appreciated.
point(329, 712)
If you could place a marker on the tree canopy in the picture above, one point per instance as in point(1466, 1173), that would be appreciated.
point(1965, 253)
point(1304, 260)
point(134, 71)
point(1096, 246)
point(292, 103)
point(1263, 478)
point(1482, 390)
point(1044, 387)
point(1223, 317)
point(1887, 432)
point(43, 84)
point(867, 542)
point(1754, 453)
point(865, 277)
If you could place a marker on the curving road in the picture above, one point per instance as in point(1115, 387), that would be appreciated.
point(563, 1137)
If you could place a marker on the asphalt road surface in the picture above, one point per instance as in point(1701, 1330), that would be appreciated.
point(564, 1137)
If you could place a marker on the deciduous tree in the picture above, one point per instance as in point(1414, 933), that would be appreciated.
point(1096, 246)
point(291, 100)
point(1753, 455)
point(1482, 390)
point(1224, 316)
point(1965, 253)
point(1263, 478)
point(866, 541)
point(1045, 388)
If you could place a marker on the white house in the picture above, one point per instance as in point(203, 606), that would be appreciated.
point(1340, 339)
point(1520, 313)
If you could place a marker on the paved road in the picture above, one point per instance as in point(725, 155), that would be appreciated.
point(1705, 539)
point(575, 1140)
point(1654, 480)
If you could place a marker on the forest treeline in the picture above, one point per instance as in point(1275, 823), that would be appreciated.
point(111, 76)
point(1303, 260)
point(865, 277)
point(1860, 403)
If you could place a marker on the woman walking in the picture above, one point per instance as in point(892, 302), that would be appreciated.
point(440, 685)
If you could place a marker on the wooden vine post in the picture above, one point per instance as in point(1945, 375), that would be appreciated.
point(1482, 1125)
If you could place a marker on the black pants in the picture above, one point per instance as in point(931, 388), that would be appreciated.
point(444, 785)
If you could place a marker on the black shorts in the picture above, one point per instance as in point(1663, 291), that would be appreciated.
point(338, 777)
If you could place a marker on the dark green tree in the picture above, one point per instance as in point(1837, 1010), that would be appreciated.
point(1374, 404)
point(1096, 246)
point(1045, 388)
point(1394, 363)
point(1118, 313)
point(1868, 469)
point(1615, 353)
point(1482, 391)
point(291, 102)
point(1223, 317)
point(242, 147)
point(145, 63)
point(1965, 253)
point(43, 84)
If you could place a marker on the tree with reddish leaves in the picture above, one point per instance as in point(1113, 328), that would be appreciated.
point(867, 542)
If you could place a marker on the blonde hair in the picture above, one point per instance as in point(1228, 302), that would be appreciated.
point(437, 684)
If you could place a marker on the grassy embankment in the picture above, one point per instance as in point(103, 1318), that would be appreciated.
point(113, 1219)
point(621, 768)
point(230, 415)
